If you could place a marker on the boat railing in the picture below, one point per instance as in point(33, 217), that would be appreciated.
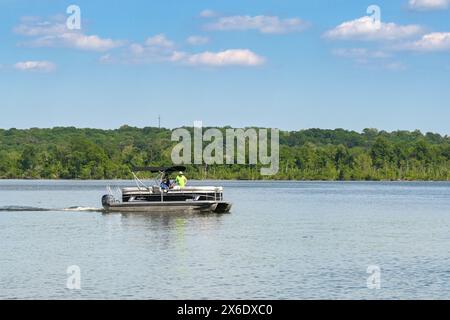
point(115, 195)
point(139, 182)
point(108, 190)
point(217, 196)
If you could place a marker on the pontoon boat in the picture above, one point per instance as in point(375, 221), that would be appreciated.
point(144, 198)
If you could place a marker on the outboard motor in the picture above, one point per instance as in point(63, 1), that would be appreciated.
point(107, 200)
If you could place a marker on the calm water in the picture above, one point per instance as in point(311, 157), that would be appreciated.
point(283, 240)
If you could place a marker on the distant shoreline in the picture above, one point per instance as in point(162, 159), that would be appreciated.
point(304, 155)
point(226, 180)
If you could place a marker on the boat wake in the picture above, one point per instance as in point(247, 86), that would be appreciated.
point(38, 209)
point(84, 209)
point(21, 209)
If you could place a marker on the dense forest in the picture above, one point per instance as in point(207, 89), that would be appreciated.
point(313, 154)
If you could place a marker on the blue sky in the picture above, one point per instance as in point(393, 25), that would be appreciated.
point(286, 64)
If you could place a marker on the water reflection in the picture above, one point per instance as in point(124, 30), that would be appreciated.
point(175, 233)
point(171, 220)
point(169, 229)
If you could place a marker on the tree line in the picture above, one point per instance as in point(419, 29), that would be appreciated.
point(313, 154)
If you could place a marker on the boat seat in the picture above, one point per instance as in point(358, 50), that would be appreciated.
point(156, 189)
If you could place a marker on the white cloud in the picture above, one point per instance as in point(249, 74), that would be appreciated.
point(34, 26)
point(159, 40)
point(154, 49)
point(263, 24)
point(424, 5)
point(365, 28)
point(231, 57)
point(137, 49)
point(360, 53)
point(436, 41)
point(208, 14)
point(39, 66)
point(159, 49)
point(106, 59)
point(372, 59)
point(84, 42)
point(197, 40)
point(54, 33)
point(395, 66)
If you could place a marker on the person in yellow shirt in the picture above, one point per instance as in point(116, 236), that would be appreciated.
point(181, 180)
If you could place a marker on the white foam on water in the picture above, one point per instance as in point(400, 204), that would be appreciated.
point(38, 209)
point(21, 209)
point(83, 209)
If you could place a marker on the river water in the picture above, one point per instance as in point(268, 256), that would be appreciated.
point(283, 240)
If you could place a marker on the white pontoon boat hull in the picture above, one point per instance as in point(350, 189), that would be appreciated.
point(172, 206)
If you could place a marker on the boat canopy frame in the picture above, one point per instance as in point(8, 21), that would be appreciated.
point(160, 169)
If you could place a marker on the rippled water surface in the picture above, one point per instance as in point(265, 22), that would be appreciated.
point(283, 240)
